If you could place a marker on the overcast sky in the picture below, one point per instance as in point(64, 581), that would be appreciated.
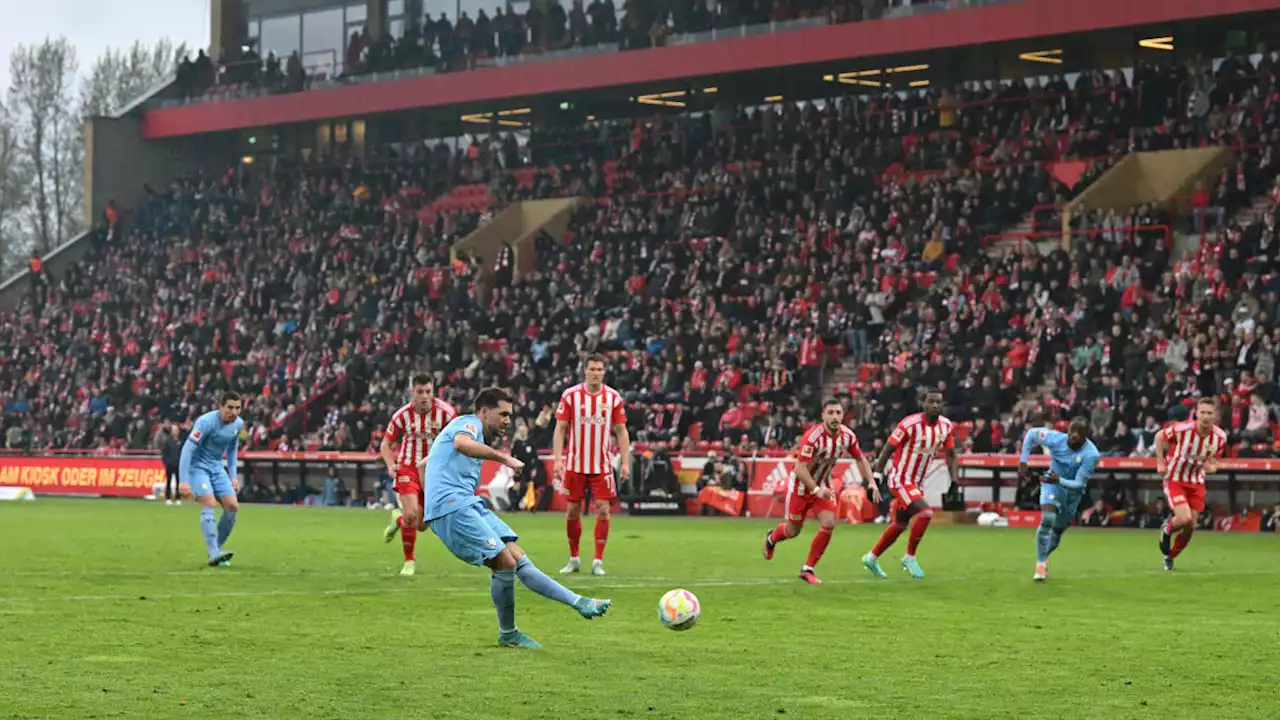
point(92, 26)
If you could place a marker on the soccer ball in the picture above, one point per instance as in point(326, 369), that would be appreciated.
point(679, 609)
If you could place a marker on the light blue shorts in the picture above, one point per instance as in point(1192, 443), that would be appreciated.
point(1067, 501)
point(473, 534)
point(203, 481)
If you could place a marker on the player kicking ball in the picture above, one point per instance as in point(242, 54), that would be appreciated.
point(474, 534)
point(1072, 460)
point(809, 489)
point(214, 435)
point(1185, 453)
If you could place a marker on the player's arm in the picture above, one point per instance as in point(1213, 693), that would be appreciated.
point(1159, 448)
point(231, 462)
point(472, 448)
point(1211, 465)
point(805, 477)
point(953, 462)
point(1030, 439)
point(886, 452)
point(868, 478)
point(390, 439)
point(557, 440)
point(624, 448)
point(1081, 480)
point(194, 439)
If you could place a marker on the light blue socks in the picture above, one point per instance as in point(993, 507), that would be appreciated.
point(502, 588)
point(209, 528)
point(539, 582)
point(225, 524)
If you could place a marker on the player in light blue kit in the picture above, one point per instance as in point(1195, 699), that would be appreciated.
point(475, 535)
point(214, 435)
point(1073, 457)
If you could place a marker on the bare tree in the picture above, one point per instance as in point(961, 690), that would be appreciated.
point(13, 192)
point(42, 81)
point(117, 78)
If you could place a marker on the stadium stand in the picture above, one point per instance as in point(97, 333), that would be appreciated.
point(735, 265)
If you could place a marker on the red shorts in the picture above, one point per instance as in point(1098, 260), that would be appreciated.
point(904, 493)
point(409, 482)
point(1183, 493)
point(602, 487)
point(801, 506)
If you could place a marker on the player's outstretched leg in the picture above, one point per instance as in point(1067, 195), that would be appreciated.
point(541, 583)
point(785, 530)
point(923, 516)
point(827, 521)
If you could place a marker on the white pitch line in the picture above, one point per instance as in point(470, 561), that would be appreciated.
point(664, 583)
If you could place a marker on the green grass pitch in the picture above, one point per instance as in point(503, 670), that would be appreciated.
point(106, 611)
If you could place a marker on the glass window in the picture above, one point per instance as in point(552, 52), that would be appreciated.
point(254, 32)
point(395, 7)
point(357, 13)
point(472, 8)
point(396, 27)
point(323, 40)
point(281, 35)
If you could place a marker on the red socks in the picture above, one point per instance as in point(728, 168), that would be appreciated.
point(602, 535)
point(779, 533)
point(818, 546)
point(408, 538)
point(918, 526)
point(1180, 543)
point(888, 538)
point(573, 526)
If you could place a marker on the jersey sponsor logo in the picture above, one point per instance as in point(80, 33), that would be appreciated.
point(1044, 434)
point(491, 542)
point(196, 434)
point(806, 452)
point(472, 428)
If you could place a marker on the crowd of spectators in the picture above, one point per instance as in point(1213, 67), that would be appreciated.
point(725, 262)
point(444, 43)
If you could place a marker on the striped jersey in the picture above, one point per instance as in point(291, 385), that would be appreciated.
point(1189, 450)
point(820, 450)
point(589, 419)
point(917, 443)
point(416, 430)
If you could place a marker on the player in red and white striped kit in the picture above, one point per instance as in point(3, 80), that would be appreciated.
point(588, 415)
point(809, 488)
point(413, 427)
point(913, 445)
point(1185, 453)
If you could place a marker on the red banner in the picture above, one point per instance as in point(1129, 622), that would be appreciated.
point(121, 477)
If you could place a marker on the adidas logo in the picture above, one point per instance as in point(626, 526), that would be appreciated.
point(778, 477)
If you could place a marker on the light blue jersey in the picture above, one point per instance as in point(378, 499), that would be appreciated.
point(451, 477)
point(1073, 468)
point(201, 463)
point(457, 515)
